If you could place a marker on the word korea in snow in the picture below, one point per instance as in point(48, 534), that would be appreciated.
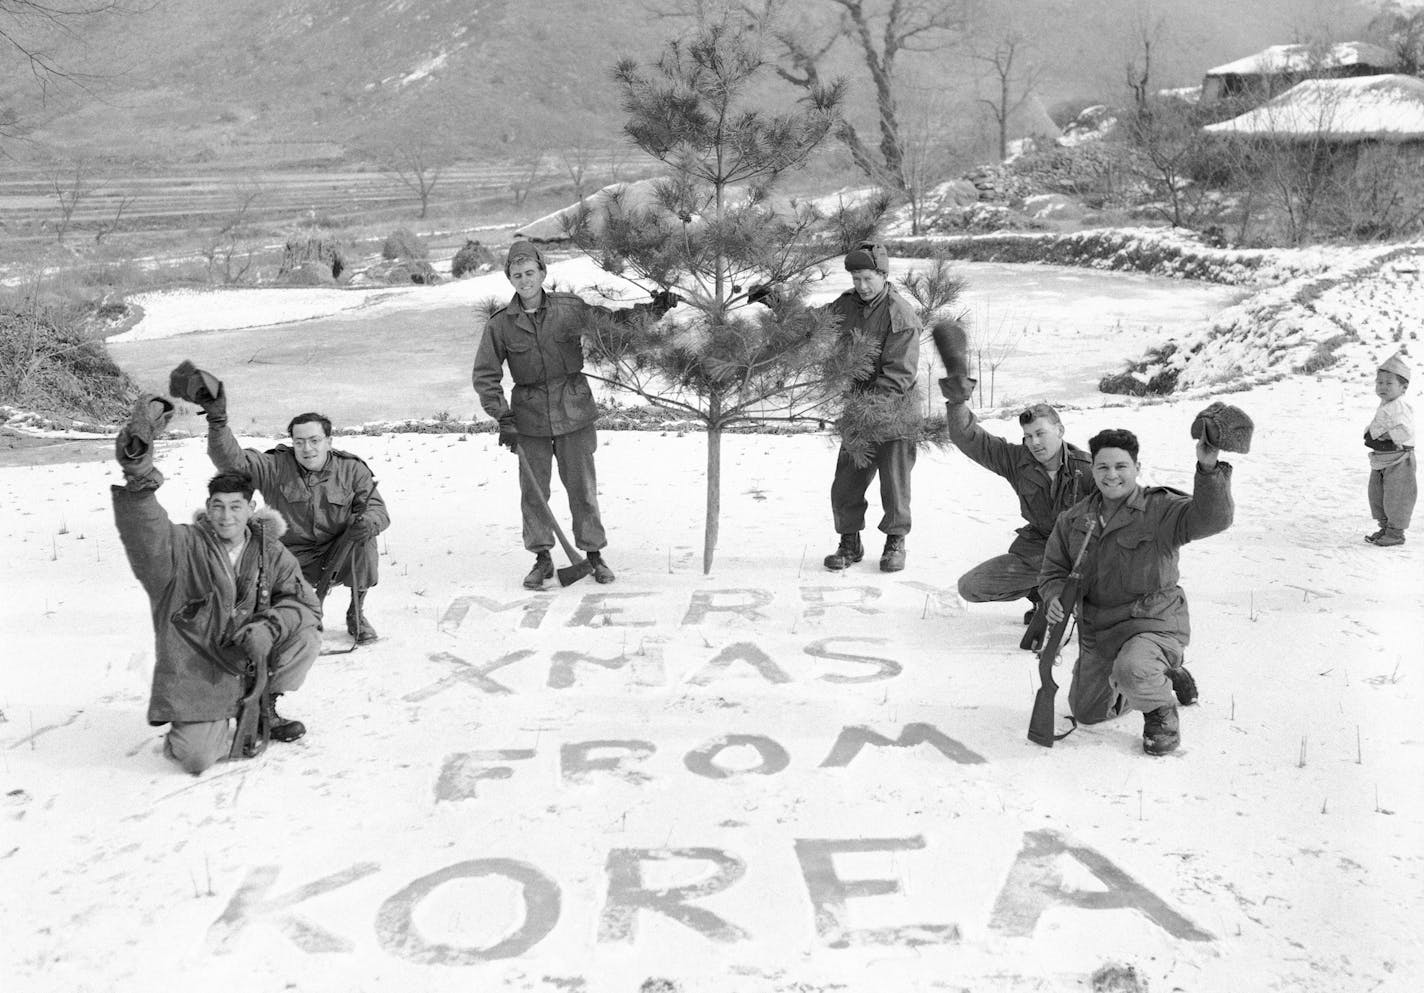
point(635, 893)
point(791, 881)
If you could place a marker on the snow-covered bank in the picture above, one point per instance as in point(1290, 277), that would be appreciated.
point(702, 779)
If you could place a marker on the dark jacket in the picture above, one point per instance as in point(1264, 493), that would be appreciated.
point(198, 601)
point(1041, 497)
point(890, 320)
point(1130, 573)
point(551, 395)
point(317, 505)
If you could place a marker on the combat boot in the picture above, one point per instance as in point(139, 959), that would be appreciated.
point(361, 630)
point(849, 552)
point(1161, 732)
point(1391, 536)
point(893, 558)
point(1183, 685)
point(1376, 536)
point(542, 572)
point(278, 727)
point(601, 572)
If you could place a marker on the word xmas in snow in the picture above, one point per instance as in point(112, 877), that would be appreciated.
point(1034, 885)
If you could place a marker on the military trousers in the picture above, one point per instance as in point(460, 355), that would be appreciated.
point(574, 454)
point(196, 745)
point(1136, 679)
point(892, 461)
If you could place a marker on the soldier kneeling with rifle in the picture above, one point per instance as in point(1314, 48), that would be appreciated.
point(1132, 623)
point(234, 622)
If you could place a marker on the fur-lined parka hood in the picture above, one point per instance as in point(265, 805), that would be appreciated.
point(270, 518)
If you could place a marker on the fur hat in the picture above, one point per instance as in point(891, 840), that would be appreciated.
point(524, 250)
point(1396, 364)
point(1226, 427)
point(868, 255)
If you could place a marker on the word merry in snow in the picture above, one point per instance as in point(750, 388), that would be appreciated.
point(647, 666)
point(1034, 885)
point(584, 761)
point(628, 609)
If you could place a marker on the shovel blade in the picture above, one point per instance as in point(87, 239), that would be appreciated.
point(571, 574)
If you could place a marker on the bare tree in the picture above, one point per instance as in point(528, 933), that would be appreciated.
point(1012, 81)
point(1168, 153)
point(1138, 70)
point(222, 248)
point(417, 163)
point(108, 227)
point(528, 165)
point(1402, 32)
point(880, 31)
point(71, 185)
point(25, 26)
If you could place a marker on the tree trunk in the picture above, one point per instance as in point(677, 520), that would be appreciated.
point(714, 494)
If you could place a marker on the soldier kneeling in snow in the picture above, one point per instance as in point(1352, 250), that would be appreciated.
point(204, 582)
point(1132, 620)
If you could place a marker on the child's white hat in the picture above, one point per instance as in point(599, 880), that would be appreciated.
point(1395, 364)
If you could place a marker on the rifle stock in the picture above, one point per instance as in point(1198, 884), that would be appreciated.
point(1040, 722)
point(249, 739)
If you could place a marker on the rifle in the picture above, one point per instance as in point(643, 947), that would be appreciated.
point(343, 551)
point(250, 738)
point(1040, 723)
point(337, 556)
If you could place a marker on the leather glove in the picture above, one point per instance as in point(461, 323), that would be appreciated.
point(761, 293)
point(134, 446)
point(665, 300)
point(256, 639)
point(957, 389)
point(203, 388)
point(360, 529)
point(509, 435)
point(953, 347)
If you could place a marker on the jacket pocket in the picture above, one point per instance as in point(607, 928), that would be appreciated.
point(201, 626)
point(1137, 550)
point(523, 359)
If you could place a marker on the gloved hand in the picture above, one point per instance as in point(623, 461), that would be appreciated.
point(360, 529)
point(256, 639)
point(761, 293)
point(957, 389)
point(203, 388)
point(953, 347)
point(665, 300)
point(134, 446)
point(508, 434)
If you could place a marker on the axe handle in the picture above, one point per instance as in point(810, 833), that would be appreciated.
point(528, 473)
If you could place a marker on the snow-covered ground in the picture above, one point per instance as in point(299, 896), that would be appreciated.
point(691, 778)
point(696, 778)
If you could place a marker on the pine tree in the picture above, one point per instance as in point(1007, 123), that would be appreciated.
point(744, 346)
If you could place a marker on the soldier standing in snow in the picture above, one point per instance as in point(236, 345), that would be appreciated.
point(1132, 615)
point(1393, 484)
point(202, 581)
point(874, 309)
point(324, 493)
point(551, 409)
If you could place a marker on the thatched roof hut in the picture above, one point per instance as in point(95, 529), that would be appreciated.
point(1275, 69)
point(1364, 109)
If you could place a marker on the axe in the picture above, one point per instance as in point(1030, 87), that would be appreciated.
point(578, 566)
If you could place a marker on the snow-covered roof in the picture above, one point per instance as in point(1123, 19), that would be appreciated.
point(1300, 58)
point(1365, 108)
